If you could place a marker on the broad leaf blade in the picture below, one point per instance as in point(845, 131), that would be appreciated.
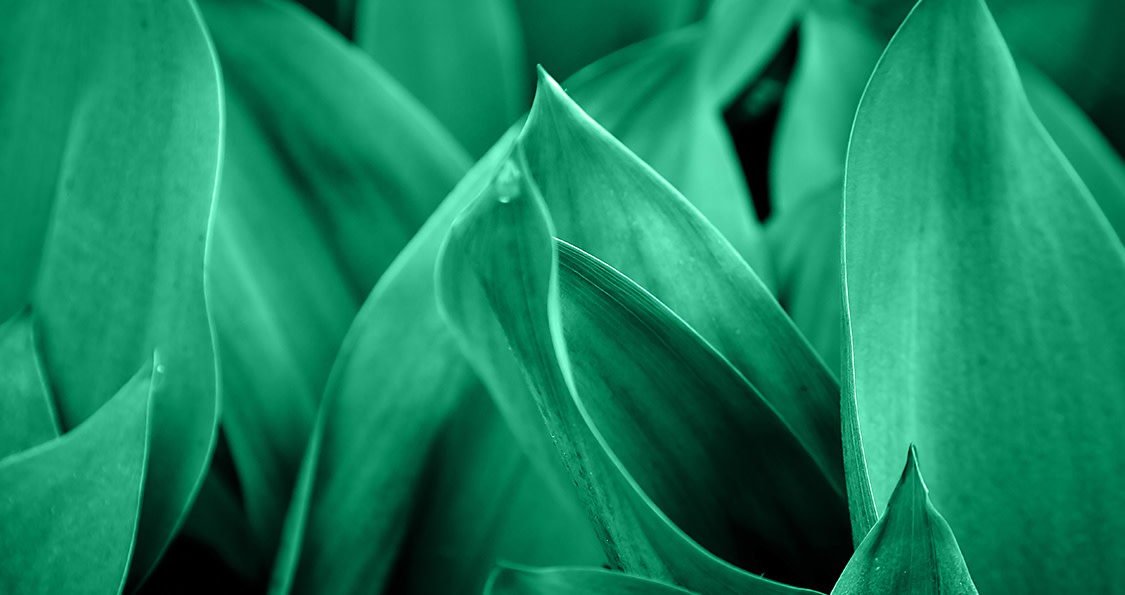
point(70, 509)
point(983, 301)
point(463, 60)
point(911, 550)
point(370, 442)
point(500, 261)
point(127, 135)
point(321, 189)
point(517, 580)
point(29, 411)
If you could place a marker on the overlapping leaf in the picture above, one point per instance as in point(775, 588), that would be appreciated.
point(29, 410)
point(495, 280)
point(321, 189)
point(463, 60)
point(118, 148)
point(515, 580)
point(983, 290)
point(69, 515)
point(911, 550)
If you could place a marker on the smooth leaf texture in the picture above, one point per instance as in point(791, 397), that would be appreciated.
point(463, 60)
point(69, 513)
point(497, 275)
point(607, 202)
point(29, 411)
point(370, 445)
point(121, 145)
point(517, 580)
point(742, 38)
point(652, 95)
point(911, 550)
point(320, 191)
point(982, 290)
point(481, 501)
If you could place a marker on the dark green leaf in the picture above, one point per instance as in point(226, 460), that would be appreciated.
point(29, 410)
point(652, 96)
point(983, 291)
point(612, 338)
point(320, 191)
point(483, 502)
point(911, 550)
point(121, 146)
point(70, 508)
point(516, 580)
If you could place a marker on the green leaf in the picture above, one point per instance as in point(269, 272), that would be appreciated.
point(370, 444)
point(742, 37)
point(121, 147)
point(70, 509)
point(432, 47)
point(1094, 160)
point(320, 191)
point(482, 502)
point(29, 410)
point(566, 36)
point(653, 97)
point(607, 202)
point(983, 291)
point(511, 579)
point(911, 550)
point(613, 338)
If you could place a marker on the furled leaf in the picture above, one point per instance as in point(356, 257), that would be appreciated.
point(369, 447)
point(983, 291)
point(481, 502)
point(121, 146)
point(463, 60)
point(607, 202)
point(516, 580)
point(741, 39)
point(320, 190)
point(29, 411)
point(647, 440)
point(911, 550)
point(69, 513)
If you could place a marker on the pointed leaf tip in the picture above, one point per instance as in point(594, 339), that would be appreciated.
point(911, 550)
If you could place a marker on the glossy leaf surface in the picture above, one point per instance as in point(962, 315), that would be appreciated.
point(320, 191)
point(515, 580)
point(911, 550)
point(70, 509)
point(25, 397)
point(120, 146)
point(983, 290)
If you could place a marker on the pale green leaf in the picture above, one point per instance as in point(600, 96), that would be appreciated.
point(69, 514)
point(29, 411)
point(983, 289)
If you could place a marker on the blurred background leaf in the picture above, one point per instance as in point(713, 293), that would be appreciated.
point(515, 580)
point(29, 417)
point(331, 167)
point(983, 291)
point(911, 550)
